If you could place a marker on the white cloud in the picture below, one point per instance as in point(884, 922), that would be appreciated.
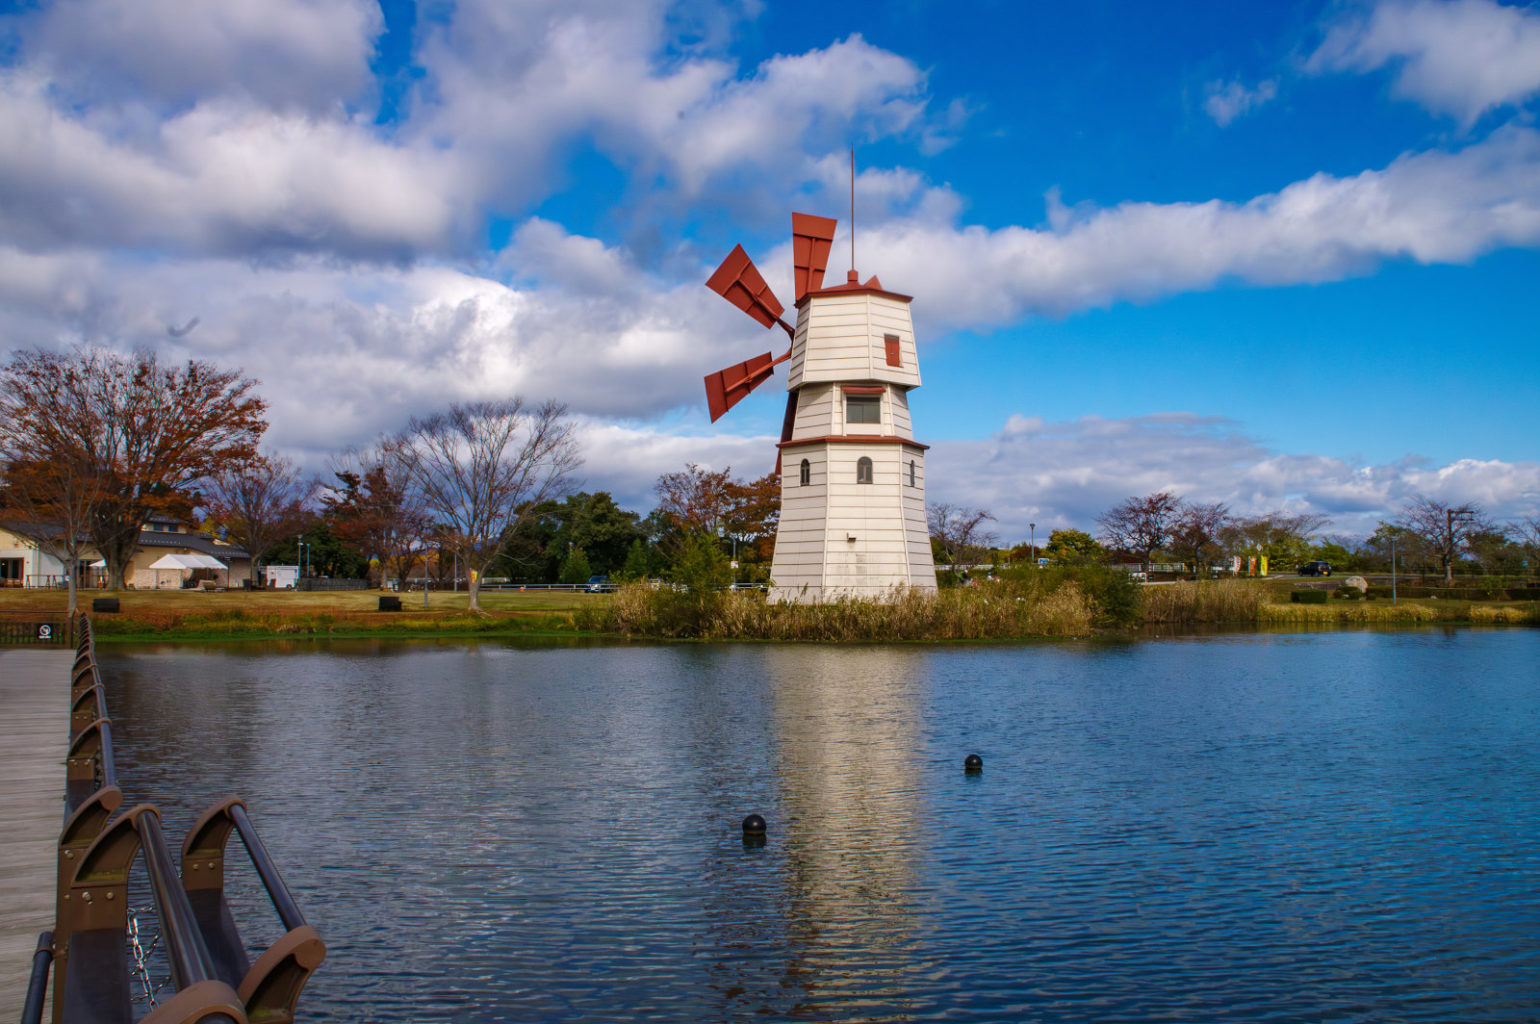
point(1460, 57)
point(627, 460)
point(346, 351)
point(218, 178)
point(1066, 474)
point(1226, 101)
point(691, 124)
point(1430, 207)
point(306, 54)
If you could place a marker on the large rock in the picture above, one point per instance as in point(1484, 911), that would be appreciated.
point(1357, 583)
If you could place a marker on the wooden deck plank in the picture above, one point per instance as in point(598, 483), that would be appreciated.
point(34, 735)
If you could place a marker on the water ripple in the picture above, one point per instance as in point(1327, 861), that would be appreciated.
point(1278, 828)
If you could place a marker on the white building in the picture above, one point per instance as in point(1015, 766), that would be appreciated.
point(852, 475)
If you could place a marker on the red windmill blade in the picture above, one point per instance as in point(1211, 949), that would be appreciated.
point(738, 281)
point(811, 238)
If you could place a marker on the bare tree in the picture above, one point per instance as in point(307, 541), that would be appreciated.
point(1445, 528)
point(959, 531)
point(258, 501)
point(1140, 524)
point(52, 483)
point(1196, 528)
point(1526, 533)
point(482, 467)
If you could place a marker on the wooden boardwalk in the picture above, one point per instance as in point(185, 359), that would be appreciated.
point(34, 737)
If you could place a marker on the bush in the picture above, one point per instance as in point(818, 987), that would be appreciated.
point(1309, 596)
point(1347, 593)
point(1115, 599)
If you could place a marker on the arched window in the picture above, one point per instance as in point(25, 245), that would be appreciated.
point(863, 470)
point(911, 472)
point(806, 476)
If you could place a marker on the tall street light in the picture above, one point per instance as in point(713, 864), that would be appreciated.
point(1450, 515)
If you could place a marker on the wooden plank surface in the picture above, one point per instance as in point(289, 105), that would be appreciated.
point(34, 735)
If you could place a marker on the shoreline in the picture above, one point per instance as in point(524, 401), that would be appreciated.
point(637, 614)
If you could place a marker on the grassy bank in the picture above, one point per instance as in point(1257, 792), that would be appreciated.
point(1056, 603)
point(191, 615)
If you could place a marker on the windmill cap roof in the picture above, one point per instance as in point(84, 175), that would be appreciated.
point(852, 287)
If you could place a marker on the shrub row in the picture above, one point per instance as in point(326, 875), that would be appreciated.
point(1458, 593)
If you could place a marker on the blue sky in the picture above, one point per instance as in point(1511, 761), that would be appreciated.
point(1280, 255)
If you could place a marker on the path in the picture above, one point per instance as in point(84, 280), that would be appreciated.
point(34, 736)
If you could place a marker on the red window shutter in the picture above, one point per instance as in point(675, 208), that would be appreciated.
point(890, 341)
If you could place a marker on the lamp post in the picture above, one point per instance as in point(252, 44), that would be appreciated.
point(1392, 568)
point(1032, 542)
point(1450, 515)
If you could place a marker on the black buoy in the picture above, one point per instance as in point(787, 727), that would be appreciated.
point(754, 825)
point(973, 763)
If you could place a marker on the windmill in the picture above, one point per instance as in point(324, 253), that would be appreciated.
point(852, 517)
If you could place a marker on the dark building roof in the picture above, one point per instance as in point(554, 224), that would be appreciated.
point(192, 541)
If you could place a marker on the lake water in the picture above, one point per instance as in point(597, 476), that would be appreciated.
point(1307, 827)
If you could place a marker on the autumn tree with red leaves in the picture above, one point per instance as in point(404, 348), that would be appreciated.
point(372, 508)
point(695, 502)
point(258, 501)
point(52, 486)
point(144, 432)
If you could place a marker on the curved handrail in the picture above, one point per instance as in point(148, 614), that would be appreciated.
point(96, 901)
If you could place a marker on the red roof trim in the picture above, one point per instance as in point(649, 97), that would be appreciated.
point(854, 289)
point(854, 439)
point(863, 389)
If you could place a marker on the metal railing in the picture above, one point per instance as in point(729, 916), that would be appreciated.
point(88, 951)
point(35, 628)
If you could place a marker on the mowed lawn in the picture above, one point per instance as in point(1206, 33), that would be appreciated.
point(292, 602)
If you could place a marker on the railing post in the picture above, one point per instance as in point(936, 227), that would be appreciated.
point(37, 982)
point(270, 988)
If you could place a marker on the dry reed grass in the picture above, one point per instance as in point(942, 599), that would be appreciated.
point(1211, 603)
point(981, 613)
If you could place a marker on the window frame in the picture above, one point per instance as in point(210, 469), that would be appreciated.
point(871, 402)
point(864, 469)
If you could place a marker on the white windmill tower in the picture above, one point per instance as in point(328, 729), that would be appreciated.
point(853, 477)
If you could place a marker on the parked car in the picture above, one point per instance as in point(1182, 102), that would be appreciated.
point(598, 584)
point(1314, 569)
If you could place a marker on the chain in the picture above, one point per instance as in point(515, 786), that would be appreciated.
point(141, 954)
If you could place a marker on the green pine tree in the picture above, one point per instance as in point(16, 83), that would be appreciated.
point(638, 562)
point(576, 569)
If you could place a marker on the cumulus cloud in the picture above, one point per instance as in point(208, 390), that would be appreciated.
point(219, 179)
point(1430, 207)
point(304, 54)
point(1066, 474)
point(346, 351)
point(1226, 101)
point(1459, 57)
point(687, 122)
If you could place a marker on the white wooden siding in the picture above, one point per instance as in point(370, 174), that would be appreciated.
point(815, 555)
point(842, 338)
